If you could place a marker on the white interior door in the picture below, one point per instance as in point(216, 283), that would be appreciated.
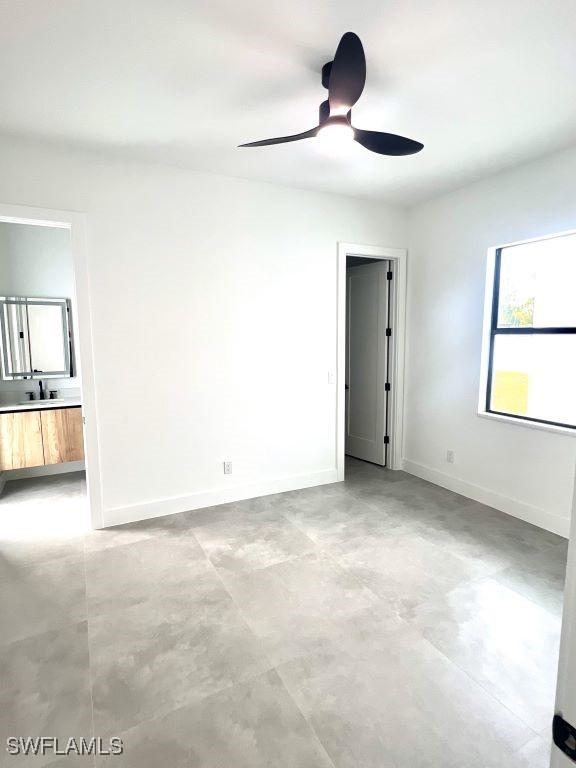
point(367, 298)
point(566, 688)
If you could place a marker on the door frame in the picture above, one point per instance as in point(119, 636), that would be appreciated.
point(76, 223)
point(396, 378)
point(565, 694)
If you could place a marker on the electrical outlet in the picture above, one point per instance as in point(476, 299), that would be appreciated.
point(450, 456)
point(227, 467)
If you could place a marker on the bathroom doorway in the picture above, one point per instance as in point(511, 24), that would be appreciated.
point(46, 388)
point(371, 299)
point(368, 360)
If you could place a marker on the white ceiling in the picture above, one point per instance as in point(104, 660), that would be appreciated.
point(484, 84)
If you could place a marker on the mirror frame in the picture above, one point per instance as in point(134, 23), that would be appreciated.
point(66, 308)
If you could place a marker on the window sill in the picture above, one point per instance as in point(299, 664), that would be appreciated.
point(530, 424)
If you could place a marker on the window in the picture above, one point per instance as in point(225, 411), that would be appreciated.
point(532, 353)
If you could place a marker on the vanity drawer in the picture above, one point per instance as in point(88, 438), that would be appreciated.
point(21, 440)
point(62, 435)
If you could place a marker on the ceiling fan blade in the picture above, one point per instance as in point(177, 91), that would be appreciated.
point(348, 73)
point(282, 139)
point(386, 143)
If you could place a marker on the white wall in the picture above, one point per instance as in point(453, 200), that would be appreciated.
point(524, 471)
point(35, 261)
point(214, 323)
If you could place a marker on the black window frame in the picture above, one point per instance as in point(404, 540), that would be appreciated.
point(514, 331)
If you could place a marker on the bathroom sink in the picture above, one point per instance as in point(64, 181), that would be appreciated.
point(42, 402)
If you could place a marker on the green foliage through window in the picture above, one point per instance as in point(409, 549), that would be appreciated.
point(515, 315)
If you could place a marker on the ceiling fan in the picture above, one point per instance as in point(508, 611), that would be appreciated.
point(344, 78)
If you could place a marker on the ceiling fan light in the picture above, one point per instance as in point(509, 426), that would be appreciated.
point(335, 136)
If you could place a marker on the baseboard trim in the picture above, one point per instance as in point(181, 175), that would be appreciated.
point(510, 506)
point(162, 507)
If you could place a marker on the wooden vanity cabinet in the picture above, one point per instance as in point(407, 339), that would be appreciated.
point(35, 438)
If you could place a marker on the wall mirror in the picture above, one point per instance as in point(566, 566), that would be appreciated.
point(36, 338)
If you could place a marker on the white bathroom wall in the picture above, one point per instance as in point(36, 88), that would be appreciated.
point(524, 471)
point(214, 323)
point(36, 261)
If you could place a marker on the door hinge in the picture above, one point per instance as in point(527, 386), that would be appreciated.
point(386, 439)
point(388, 331)
point(389, 275)
point(387, 387)
point(564, 736)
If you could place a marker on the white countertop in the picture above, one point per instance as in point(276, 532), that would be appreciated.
point(36, 405)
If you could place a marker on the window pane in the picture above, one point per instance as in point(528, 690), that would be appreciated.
point(535, 376)
point(537, 284)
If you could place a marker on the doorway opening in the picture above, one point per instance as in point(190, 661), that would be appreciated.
point(368, 369)
point(371, 307)
point(43, 392)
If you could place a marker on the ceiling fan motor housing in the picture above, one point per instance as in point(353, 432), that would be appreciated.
point(326, 70)
point(338, 120)
point(324, 114)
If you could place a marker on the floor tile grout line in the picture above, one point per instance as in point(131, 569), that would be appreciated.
point(305, 718)
point(274, 667)
point(503, 517)
point(438, 598)
point(218, 692)
point(231, 596)
point(494, 576)
point(304, 715)
point(328, 551)
point(269, 666)
point(526, 597)
point(72, 560)
point(488, 692)
point(318, 551)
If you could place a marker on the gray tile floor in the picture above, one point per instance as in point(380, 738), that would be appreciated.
point(381, 622)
